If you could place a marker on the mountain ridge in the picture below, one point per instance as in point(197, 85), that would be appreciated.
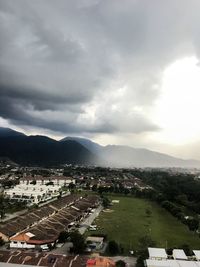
point(126, 156)
point(5, 132)
point(92, 146)
point(43, 150)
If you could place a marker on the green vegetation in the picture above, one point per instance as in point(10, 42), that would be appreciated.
point(78, 242)
point(113, 248)
point(105, 202)
point(120, 263)
point(63, 237)
point(8, 206)
point(131, 219)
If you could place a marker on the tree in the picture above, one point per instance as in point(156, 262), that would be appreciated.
point(1, 242)
point(105, 202)
point(193, 224)
point(120, 263)
point(182, 199)
point(2, 207)
point(143, 255)
point(71, 186)
point(148, 212)
point(94, 187)
point(144, 243)
point(63, 237)
point(113, 248)
point(78, 242)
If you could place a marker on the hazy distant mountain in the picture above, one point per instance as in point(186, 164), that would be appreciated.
point(44, 151)
point(90, 145)
point(6, 132)
point(124, 156)
point(128, 157)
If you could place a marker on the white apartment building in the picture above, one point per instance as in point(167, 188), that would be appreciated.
point(32, 194)
point(159, 258)
point(40, 180)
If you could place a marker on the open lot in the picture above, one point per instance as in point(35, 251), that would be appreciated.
point(130, 220)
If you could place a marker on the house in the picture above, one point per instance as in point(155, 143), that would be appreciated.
point(32, 193)
point(30, 219)
point(41, 180)
point(21, 241)
point(157, 253)
point(179, 254)
point(94, 242)
point(157, 258)
point(159, 263)
point(171, 263)
point(197, 254)
point(22, 258)
point(100, 262)
point(41, 228)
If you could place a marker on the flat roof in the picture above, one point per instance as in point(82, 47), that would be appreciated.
point(172, 263)
point(155, 263)
point(157, 253)
point(197, 254)
point(187, 264)
point(95, 238)
point(179, 254)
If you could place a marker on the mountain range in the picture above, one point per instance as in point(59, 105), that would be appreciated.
point(44, 151)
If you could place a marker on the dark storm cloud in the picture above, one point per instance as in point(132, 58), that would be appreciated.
point(63, 63)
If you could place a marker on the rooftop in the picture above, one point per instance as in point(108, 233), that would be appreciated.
point(157, 253)
point(197, 254)
point(95, 239)
point(179, 254)
point(23, 258)
point(172, 263)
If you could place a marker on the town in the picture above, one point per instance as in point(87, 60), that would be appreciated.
point(99, 133)
point(60, 213)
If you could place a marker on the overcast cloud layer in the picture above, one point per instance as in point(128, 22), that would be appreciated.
point(90, 67)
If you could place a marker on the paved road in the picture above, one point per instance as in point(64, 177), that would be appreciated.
point(62, 250)
point(88, 221)
point(83, 227)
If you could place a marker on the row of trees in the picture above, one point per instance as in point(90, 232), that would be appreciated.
point(181, 188)
point(177, 193)
point(191, 222)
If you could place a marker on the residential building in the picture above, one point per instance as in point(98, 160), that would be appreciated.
point(159, 258)
point(41, 180)
point(32, 193)
point(42, 227)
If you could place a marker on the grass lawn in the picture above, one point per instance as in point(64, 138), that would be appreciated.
point(129, 221)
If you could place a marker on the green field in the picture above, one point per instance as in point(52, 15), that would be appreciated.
point(129, 221)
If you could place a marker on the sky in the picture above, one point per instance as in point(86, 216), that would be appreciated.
point(117, 72)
